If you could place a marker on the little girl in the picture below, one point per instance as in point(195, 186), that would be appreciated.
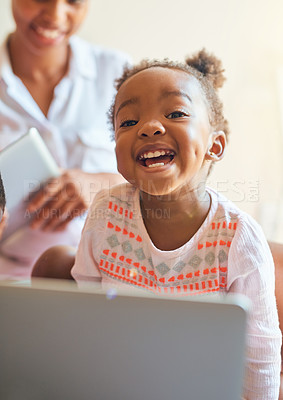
point(165, 231)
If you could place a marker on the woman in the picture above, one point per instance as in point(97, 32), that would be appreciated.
point(63, 86)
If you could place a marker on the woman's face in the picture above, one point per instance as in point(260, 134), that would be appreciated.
point(46, 23)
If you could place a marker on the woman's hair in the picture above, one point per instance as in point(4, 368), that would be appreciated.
point(205, 67)
point(2, 195)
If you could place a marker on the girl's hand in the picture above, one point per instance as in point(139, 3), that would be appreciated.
point(61, 200)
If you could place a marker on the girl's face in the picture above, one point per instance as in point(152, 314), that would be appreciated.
point(162, 131)
point(44, 23)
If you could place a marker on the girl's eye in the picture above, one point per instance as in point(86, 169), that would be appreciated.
point(130, 122)
point(177, 114)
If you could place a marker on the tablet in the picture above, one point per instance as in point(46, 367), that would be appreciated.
point(25, 165)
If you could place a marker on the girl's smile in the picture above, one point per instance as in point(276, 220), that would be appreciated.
point(162, 131)
point(154, 156)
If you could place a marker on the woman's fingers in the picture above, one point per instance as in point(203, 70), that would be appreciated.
point(64, 215)
point(58, 203)
point(48, 192)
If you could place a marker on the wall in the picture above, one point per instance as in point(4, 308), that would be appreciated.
point(247, 35)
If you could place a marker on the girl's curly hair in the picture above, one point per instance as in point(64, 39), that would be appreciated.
point(205, 67)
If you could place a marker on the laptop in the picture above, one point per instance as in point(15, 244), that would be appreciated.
point(25, 165)
point(58, 342)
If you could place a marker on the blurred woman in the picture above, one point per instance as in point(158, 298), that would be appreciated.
point(63, 86)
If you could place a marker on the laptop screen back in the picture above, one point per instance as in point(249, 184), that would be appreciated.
point(66, 344)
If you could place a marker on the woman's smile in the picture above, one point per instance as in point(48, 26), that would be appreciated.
point(50, 35)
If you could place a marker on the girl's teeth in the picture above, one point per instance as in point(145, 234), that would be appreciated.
point(153, 154)
point(156, 165)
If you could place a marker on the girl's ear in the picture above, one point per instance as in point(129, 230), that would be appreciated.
point(216, 148)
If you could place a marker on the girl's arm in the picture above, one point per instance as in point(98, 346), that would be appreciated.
point(251, 272)
point(3, 223)
point(86, 267)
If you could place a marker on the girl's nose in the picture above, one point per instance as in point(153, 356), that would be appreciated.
point(151, 128)
point(56, 11)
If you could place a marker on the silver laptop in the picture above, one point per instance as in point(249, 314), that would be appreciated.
point(25, 165)
point(60, 343)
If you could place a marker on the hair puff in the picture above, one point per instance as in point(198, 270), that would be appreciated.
point(209, 65)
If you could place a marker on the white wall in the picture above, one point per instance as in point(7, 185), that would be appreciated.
point(248, 36)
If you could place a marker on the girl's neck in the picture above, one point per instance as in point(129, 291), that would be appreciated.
point(172, 220)
point(50, 64)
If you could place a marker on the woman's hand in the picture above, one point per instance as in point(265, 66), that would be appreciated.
point(66, 197)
